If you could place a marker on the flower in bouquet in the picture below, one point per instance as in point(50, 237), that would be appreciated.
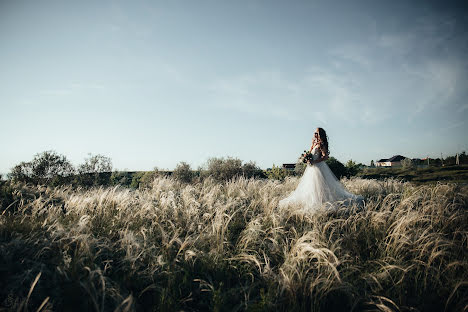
point(306, 157)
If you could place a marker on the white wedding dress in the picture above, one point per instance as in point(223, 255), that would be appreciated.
point(318, 187)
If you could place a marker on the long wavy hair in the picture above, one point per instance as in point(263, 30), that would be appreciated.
point(324, 139)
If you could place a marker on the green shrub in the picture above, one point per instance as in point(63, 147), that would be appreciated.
point(136, 179)
point(251, 170)
point(6, 194)
point(183, 173)
point(148, 177)
point(123, 178)
point(353, 168)
point(221, 169)
point(407, 163)
point(277, 173)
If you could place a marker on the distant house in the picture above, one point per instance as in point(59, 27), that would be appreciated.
point(394, 161)
point(289, 166)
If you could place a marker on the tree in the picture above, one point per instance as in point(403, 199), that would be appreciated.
point(96, 170)
point(46, 168)
point(96, 164)
point(372, 163)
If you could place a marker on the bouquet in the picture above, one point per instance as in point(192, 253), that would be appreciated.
point(306, 157)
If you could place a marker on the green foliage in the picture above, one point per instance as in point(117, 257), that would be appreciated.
point(451, 160)
point(353, 168)
point(147, 178)
point(372, 164)
point(6, 194)
point(123, 178)
point(47, 168)
point(136, 179)
point(338, 169)
point(183, 172)
point(251, 170)
point(278, 173)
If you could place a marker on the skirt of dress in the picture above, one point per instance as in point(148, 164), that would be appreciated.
point(318, 186)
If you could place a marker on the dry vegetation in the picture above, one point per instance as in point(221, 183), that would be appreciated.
point(227, 246)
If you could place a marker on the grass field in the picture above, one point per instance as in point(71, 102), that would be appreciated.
point(227, 246)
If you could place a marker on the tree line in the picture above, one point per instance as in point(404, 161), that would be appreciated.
point(53, 169)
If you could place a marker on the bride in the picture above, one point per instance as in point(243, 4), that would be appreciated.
point(318, 185)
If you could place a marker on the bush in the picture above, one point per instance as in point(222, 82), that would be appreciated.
point(148, 177)
point(353, 168)
point(136, 179)
point(47, 168)
point(407, 163)
point(6, 194)
point(251, 170)
point(221, 169)
point(339, 170)
point(183, 173)
point(277, 173)
point(123, 178)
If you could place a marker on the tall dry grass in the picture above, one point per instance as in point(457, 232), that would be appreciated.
point(227, 246)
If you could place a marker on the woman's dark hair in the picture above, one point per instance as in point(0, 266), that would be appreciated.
point(324, 139)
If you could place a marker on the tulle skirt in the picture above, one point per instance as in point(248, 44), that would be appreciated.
point(318, 187)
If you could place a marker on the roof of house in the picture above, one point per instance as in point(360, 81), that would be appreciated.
point(392, 159)
point(396, 158)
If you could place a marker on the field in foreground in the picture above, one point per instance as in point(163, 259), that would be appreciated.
point(227, 246)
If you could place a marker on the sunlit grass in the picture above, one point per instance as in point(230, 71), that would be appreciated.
point(227, 246)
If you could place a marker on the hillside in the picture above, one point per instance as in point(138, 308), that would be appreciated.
point(456, 174)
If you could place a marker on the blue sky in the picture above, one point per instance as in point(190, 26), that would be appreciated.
point(153, 83)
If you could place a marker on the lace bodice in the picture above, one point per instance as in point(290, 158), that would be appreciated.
point(316, 152)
